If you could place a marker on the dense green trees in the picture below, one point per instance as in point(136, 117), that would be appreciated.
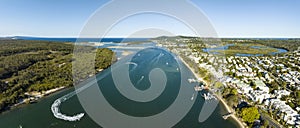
point(10, 47)
point(39, 66)
point(295, 96)
point(13, 63)
point(231, 96)
point(17, 55)
point(288, 44)
point(229, 91)
point(249, 114)
point(104, 58)
point(232, 100)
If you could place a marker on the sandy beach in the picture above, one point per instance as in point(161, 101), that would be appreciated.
point(228, 109)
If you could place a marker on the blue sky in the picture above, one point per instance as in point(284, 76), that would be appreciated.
point(230, 18)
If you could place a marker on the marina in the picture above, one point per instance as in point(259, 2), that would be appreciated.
point(208, 96)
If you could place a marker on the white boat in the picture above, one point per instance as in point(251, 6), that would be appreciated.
point(192, 80)
point(198, 88)
point(192, 98)
point(209, 96)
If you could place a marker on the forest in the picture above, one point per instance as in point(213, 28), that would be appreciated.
point(27, 66)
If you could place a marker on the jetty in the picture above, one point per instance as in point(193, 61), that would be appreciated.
point(227, 115)
point(192, 80)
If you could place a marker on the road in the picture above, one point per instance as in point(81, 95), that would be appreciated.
point(272, 122)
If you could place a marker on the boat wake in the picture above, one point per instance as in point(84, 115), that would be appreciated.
point(55, 106)
point(140, 80)
point(156, 59)
point(132, 63)
point(56, 112)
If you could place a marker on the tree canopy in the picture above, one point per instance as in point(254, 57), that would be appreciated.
point(40, 66)
point(250, 114)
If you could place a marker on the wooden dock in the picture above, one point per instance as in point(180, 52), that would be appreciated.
point(227, 115)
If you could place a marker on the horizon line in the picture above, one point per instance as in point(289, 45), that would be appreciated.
point(225, 37)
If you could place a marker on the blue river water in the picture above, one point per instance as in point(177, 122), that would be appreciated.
point(39, 114)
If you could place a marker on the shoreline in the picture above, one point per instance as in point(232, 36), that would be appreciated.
point(34, 97)
point(193, 71)
point(24, 104)
point(228, 109)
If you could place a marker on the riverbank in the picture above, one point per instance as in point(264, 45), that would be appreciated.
point(24, 104)
point(33, 97)
point(228, 109)
point(43, 93)
point(193, 71)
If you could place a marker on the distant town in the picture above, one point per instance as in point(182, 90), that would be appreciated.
point(258, 79)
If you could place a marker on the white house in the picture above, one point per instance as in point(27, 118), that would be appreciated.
point(280, 93)
point(261, 85)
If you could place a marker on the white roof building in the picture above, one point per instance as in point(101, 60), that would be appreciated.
point(259, 96)
point(290, 115)
point(280, 93)
point(261, 85)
